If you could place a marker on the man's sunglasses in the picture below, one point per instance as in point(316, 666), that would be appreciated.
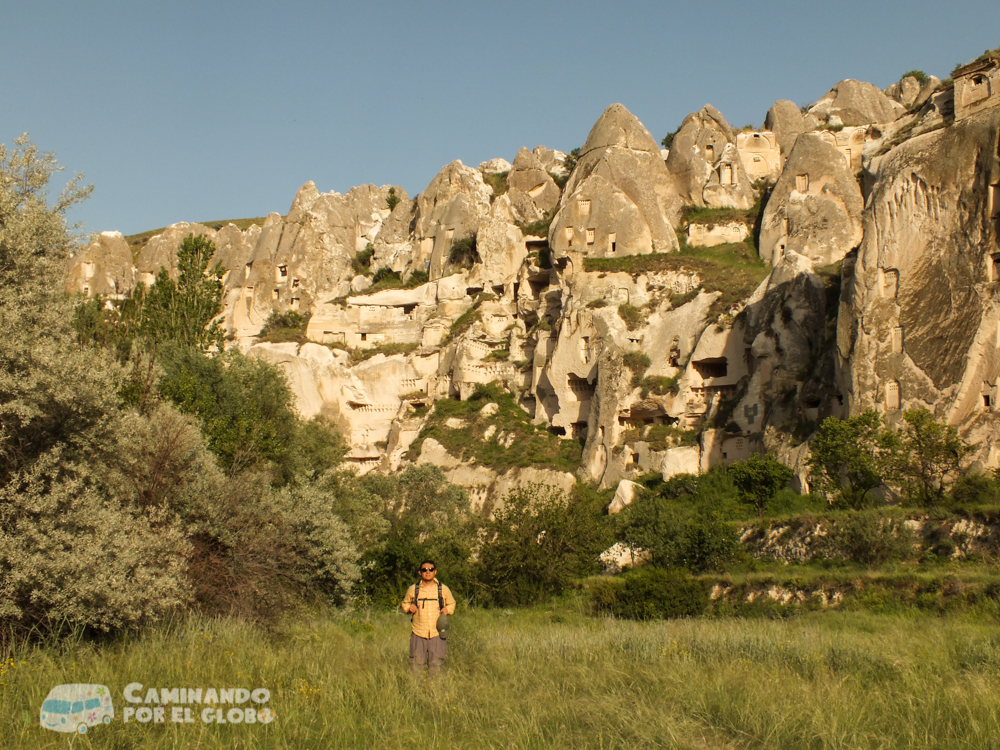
point(427, 570)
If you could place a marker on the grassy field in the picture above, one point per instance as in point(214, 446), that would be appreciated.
point(547, 678)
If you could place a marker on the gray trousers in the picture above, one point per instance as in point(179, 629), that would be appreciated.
point(429, 652)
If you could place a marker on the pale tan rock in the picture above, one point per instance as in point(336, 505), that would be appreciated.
point(102, 268)
point(785, 120)
point(760, 154)
point(815, 208)
point(705, 163)
point(856, 103)
point(450, 208)
point(682, 460)
point(529, 176)
point(620, 199)
point(624, 495)
point(495, 166)
point(918, 326)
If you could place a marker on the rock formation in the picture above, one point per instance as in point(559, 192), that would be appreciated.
point(640, 368)
point(853, 102)
point(620, 199)
point(705, 163)
point(815, 209)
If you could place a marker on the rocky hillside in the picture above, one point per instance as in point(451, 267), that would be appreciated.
point(648, 310)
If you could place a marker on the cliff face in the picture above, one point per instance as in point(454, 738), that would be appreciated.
point(919, 323)
point(876, 290)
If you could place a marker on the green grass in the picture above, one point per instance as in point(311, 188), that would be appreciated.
point(549, 677)
point(731, 269)
point(714, 216)
point(360, 355)
point(532, 446)
point(137, 242)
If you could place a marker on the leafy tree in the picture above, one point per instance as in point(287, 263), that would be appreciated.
point(930, 457)
point(403, 519)
point(535, 544)
point(758, 480)
point(850, 458)
point(181, 311)
point(244, 404)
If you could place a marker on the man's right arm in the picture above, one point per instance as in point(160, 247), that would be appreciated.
point(407, 605)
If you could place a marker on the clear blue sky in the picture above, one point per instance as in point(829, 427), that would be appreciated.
point(196, 111)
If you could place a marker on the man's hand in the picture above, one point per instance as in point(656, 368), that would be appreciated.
point(413, 609)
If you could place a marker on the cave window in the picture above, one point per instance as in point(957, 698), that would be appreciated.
point(591, 234)
point(847, 153)
point(892, 395)
point(295, 283)
point(890, 282)
point(600, 432)
point(802, 182)
point(987, 402)
point(364, 336)
point(274, 294)
point(757, 160)
point(295, 303)
point(980, 89)
point(635, 458)
point(710, 152)
point(246, 270)
point(584, 206)
point(712, 368)
point(726, 174)
point(86, 291)
point(739, 444)
point(994, 201)
point(724, 455)
point(569, 236)
point(897, 340)
point(585, 348)
point(612, 242)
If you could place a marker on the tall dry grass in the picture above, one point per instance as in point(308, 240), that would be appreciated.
point(547, 678)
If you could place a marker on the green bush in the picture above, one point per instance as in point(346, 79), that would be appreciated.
point(392, 200)
point(651, 594)
point(361, 263)
point(497, 181)
point(676, 536)
point(870, 539)
point(384, 275)
point(286, 326)
point(638, 363)
point(535, 545)
point(631, 315)
point(463, 253)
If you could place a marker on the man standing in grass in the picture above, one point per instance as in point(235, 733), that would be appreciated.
point(426, 601)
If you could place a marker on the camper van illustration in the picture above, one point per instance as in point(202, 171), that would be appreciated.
point(76, 708)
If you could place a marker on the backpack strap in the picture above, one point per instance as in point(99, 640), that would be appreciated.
point(416, 595)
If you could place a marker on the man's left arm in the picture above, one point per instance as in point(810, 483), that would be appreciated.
point(449, 601)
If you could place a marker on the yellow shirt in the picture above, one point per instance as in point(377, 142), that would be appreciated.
point(428, 608)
